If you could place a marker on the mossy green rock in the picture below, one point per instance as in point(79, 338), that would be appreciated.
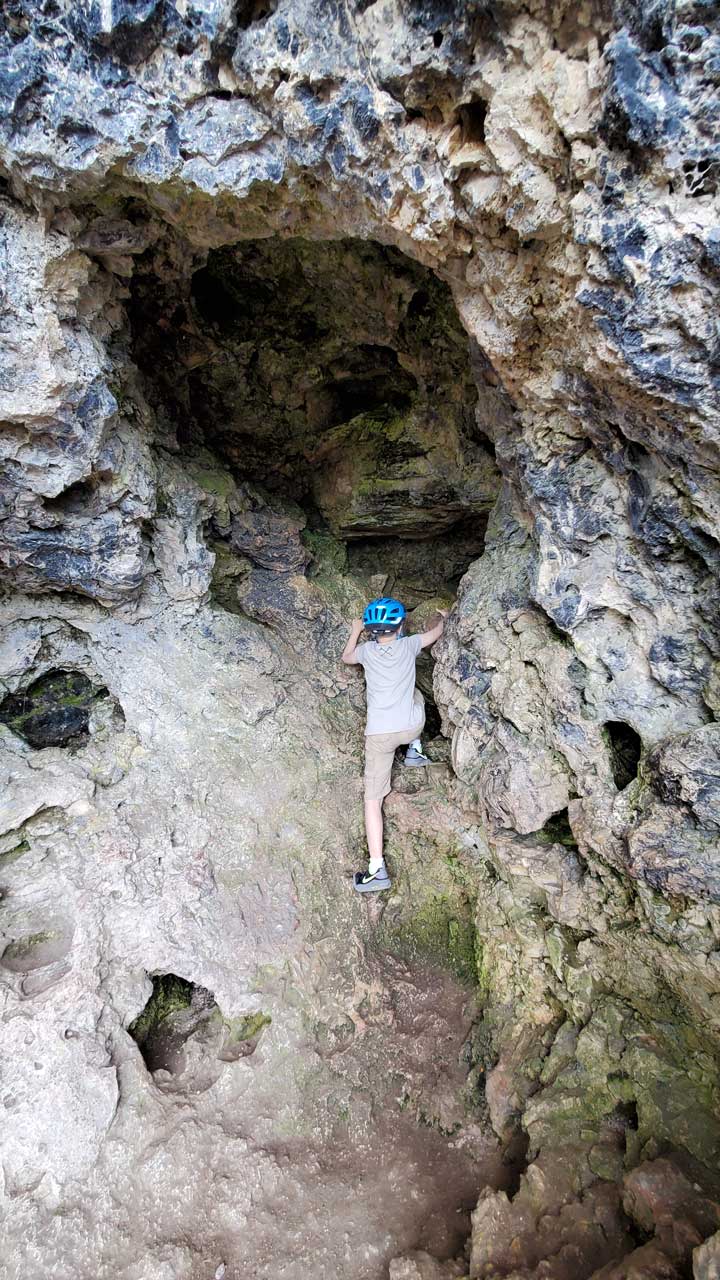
point(438, 931)
point(36, 950)
point(169, 995)
point(53, 710)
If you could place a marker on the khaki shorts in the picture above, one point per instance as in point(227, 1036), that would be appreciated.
point(380, 751)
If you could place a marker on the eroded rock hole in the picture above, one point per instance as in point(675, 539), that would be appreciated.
point(55, 710)
point(625, 748)
point(247, 12)
point(557, 830)
point(182, 1028)
point(75, 499)
point(471, 118)
point(626, 1115)
point(701, 176)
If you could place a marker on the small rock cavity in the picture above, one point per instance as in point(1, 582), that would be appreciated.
point(53, 711)
point(625, 748)
point(182, 1032)
point(38, 948)
point(557, 830)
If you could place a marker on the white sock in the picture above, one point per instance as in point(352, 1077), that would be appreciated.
point(416, 744)
point(375, 864)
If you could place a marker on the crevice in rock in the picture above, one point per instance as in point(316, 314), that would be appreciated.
point(55, 710)
point(76, 498)
point(555, 631)
point(515, 1158)
point(433, 718)
point(625, 749)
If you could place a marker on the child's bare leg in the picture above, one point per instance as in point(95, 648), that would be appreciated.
point(374, 831)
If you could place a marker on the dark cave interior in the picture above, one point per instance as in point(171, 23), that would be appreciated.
point(336, 378)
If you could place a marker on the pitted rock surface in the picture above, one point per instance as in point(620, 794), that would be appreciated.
point(302, 303)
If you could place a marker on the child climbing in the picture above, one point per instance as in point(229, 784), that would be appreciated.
point(395, 714)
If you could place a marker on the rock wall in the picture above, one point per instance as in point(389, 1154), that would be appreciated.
point(243, 244)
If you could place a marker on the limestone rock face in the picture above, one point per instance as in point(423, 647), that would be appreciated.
point(302, 303)
point(78, 481)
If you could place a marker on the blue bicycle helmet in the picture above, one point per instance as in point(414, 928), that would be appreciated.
point(384, 615)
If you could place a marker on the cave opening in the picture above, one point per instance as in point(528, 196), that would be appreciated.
point(325, 400)
point(334, 384)
point(336, 375)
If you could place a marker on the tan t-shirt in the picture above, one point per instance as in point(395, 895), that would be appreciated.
point(390, 680)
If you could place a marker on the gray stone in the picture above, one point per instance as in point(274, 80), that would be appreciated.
point(278, 278)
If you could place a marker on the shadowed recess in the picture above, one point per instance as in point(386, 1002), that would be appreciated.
point(181, 1016)
point(53, 711)
point(335, 375)
point(625, 748)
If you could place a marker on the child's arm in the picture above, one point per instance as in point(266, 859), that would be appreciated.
point(348, 653)
point(429, 637)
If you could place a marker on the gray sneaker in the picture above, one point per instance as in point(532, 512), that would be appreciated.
point(414, 757)
point(364, 882)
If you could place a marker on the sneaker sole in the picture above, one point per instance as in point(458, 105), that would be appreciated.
point(416, 764)
point(376, 887)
